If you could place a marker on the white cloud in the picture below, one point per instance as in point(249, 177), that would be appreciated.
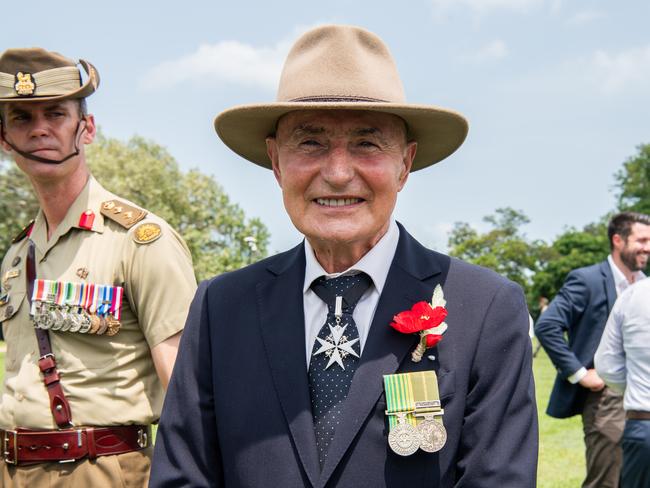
point(481, 6)
point(228, 61)
point(496, 49)
point(586, 17)
point(624, 70)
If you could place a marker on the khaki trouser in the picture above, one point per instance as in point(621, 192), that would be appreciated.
point(603, 420)
point(129, 470)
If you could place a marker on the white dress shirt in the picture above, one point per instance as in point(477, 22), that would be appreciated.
point(375, 263)
point(621, 283)
point(623, 356)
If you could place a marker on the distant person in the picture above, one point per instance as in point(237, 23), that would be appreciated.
point(580, 309)
point(623, 362)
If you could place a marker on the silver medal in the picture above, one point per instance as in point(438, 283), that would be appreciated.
point(433, 434)
point(403, 439)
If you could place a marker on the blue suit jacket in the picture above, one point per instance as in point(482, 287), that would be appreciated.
point(238, 411)
point(580, 309)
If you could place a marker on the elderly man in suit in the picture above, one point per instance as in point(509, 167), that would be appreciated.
point(289, 372)
point(580, 311)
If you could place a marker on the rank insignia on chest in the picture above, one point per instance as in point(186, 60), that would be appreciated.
point(414, 413)
point(86, 308)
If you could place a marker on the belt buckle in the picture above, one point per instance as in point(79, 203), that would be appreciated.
point(8, 449)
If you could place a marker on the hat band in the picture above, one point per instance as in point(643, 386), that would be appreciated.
point(51, 82)
point(323, 99)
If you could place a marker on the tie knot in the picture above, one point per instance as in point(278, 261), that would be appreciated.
point(349, 287)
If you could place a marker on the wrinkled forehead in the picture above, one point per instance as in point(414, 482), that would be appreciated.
point(342, 122)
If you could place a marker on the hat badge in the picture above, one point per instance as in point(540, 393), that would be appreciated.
point(24, 84)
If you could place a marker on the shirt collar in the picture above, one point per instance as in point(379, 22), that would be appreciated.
point(375, 263)
point(90, 199)
point(619, 278)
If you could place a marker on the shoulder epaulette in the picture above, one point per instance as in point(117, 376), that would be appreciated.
point(23, 233)
point(124, 214)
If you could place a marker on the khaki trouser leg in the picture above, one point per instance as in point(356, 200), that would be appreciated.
point(603, 420)
point(129, 470)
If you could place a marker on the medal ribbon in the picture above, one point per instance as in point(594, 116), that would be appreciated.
point(399, 397)
point(38, 294)
point(413, 393)
point(116, 304)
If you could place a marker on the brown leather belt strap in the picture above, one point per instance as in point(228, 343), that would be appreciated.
point(39, 446)
point(47, 362)
point(637, 415)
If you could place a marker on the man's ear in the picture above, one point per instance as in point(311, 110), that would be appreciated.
point(272, 151)
point(89, 134)
point(3, 144)
point(407, 163)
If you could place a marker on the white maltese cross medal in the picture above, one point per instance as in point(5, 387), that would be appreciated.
point(336, 346)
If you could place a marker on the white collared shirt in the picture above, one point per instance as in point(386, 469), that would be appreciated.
point(622, 358)
point(375, 263)
point(619, 278)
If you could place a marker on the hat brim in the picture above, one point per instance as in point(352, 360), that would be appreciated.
point(88, 88)
point(438, 131)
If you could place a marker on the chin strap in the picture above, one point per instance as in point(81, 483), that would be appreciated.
point(33, 157)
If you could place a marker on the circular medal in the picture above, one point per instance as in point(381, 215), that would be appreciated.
point(95, 322)
point(56, 317)
point(67, 320)
point(113, 326)
point(404, 439)
point(85, 321)
point(75, 321)
point(433, 435)
point(103, 325)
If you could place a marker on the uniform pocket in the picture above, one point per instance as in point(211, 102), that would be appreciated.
point(13, 328)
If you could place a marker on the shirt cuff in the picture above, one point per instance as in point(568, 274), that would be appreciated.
point(577, 376)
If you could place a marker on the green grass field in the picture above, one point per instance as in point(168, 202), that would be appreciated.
point(561, 448)
point(561, 451)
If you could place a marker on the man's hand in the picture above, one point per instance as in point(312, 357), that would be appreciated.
point(592, 381)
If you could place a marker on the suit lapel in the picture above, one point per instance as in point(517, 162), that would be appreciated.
point(280, 301)
point(610, 286)
point(385, 348)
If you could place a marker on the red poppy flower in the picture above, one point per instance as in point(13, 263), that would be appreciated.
point(422, 316)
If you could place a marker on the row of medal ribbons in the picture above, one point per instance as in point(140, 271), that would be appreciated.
point(76, 307)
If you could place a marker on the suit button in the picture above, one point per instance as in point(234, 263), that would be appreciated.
point(9, 310)
point(16, 261)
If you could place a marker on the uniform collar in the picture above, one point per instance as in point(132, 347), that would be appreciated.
point(89, 200)
point(375, 263)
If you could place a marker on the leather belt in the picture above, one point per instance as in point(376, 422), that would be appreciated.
point(637, 415)
point(24, 446)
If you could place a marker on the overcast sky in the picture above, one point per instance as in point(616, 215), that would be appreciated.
point(556, 92)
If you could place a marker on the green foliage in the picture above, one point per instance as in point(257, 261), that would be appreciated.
point(503, 248)
point(17, 203)
point(217, 232)
point(633, 182)
point(570, 250)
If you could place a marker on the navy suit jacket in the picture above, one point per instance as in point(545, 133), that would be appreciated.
point(238, 410)
point(580, 309)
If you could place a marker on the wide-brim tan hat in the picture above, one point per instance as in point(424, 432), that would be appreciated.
point(34, 74)
point(338, 67)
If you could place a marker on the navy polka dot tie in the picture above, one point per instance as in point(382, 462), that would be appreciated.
point(335, 354)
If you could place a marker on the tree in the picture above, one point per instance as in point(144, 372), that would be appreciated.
point(633, 182)
point(217, 232)
point(17, 203)
point(570, 250)
point(504, 248)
